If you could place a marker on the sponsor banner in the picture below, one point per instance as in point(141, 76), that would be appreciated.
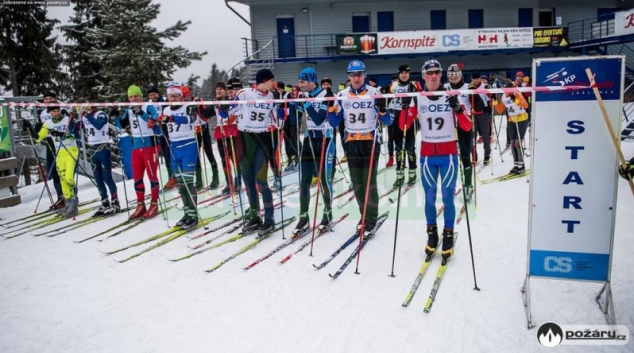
point(571, 224)
point(550, 37)
point(408, 42)
point(551, 335)
point(458, 39)
point(358, 43)
point(503, 38)
point(624, 22)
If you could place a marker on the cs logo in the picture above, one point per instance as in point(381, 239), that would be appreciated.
point(561, 264)
point(451, 40)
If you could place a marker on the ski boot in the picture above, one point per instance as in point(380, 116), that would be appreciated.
point(432, 240)
point(226, 190)
point(412, 177)
point(171, 183)
point(252, 222)
point(71, 209)
point(189, 222)
point(182, 220)
point(214, 180)
point(447, 243)
point(152, 210)
point(468, 193)
point(101, 211)
point(59, 204)
point(266, 229)
point(400, 179)
point(520, 169)
point(114, 207)
point(487, 160)
point(139, 212)
point(368, 230)
point(302, 226)
point(277, 185)
point(326, 222)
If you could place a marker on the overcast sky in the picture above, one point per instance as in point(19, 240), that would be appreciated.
point(214, 29)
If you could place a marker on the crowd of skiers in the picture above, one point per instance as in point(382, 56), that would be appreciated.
point(251, 131)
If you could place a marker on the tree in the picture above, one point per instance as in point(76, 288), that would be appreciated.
point(193, 86)
point(208, 89)
point(29, 57)
point(129, 51)
point(85, 74)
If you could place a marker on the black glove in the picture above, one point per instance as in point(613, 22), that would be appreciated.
point(114, 111)
point(405, 102)
point(138, 111)
point(329, 93)
point(26, 125)
point(56, 133)
point(454, 103)
point(380, 103)
point(128, 129)
point(277, 95)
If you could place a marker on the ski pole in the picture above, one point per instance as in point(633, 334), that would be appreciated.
point(365, 203)
point(404, 116)
point(321, 165)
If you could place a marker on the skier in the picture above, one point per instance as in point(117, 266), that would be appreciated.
point(318, 134)
point(390, 131)
point(439, 154)
point(257, 149)
point(202, 115)
point(456, 81)
point(480, 112)
point(516, 106)
point(403, 85)
point(156, 99)
point(274, 131)
point(65, 132)
point(226, 132)
point(184, 147)
point(49, 97)
point(144, 149)
point(291, 131)
point(95, 124)
point(362, 133)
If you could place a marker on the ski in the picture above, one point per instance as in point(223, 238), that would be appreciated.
point(319, 234)
point(343, 194)
point(175, 235)
point(251, 245)
point(39, 215)
point(506, 177)
point(286, 243)
point(42, 224)
point(123, 224)
point(350, 258)
point(224, 242)
point(407, 188)
point(216, 228)
point(346, 202)
point(438, 280)
point(77, 224)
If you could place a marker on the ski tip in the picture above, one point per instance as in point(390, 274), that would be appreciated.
point(317, 267)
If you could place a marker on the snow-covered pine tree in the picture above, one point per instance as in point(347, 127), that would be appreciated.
point(135, 52)
point(85, 74)
point(29, 56)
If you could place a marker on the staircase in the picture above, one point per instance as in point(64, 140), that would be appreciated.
point(262, 58)
point(621, 49)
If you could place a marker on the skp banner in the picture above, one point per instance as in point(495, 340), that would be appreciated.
point(574, 169)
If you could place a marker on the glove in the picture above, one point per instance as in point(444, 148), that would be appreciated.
point(454, 103)
point(138, 111)
point(623, 172)
point(56, 133)
point(162, 118)
point(128, 130)
point(26, 125)
point(277, 95)
point(225, 107)
point(151, 123)
point(114, 111)
point(380, 103)
point(405, 102)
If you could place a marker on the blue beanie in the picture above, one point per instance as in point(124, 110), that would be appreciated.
point(308, 74)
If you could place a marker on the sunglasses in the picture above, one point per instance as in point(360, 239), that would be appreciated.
point(356, 74)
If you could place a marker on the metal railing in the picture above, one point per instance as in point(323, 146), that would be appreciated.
point(262, 58)
point(591, 28)
point(305, 46)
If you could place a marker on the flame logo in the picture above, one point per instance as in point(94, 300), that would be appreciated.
point(550, 335)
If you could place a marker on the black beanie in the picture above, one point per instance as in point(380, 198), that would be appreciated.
point(221, 85)
point(153, 89)
point(234, 83)
point(326, 79)
point(263, 75)
point(50, 94)
point(403, 68)
point(50, 109)
point(281, 85)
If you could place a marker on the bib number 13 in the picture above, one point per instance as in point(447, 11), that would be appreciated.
point(438, 122)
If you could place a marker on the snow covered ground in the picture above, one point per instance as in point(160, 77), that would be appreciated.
point(59, 296)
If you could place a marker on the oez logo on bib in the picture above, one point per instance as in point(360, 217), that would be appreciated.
point(359, 105)
point(435, 108)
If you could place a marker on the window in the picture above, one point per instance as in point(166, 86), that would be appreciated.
point(438, 19)
point(546, 17)
point(476, 18)
point(360, 22)
point(385, 21)
point(525, 17)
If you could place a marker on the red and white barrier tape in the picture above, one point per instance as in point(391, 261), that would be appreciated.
point(301, 100)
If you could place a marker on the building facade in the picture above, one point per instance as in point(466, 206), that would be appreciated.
point(287, 36)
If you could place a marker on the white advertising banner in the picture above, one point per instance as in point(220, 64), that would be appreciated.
point(574, 169)
point(624, 22)
point(503, 38)
point(407, 42)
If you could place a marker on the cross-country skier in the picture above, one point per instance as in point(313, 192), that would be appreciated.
point(181, 128)
point(456, 81)
point(226, 133)
point(516, 106)
point(144, 149)
point(318, 133)
point(481, 113)
point(155, 98)
point(292, 126)
point(362, 133)
point(65, 132)
point(254, 120)
point(439, 165)
point(95, 124)
point(403, 85)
